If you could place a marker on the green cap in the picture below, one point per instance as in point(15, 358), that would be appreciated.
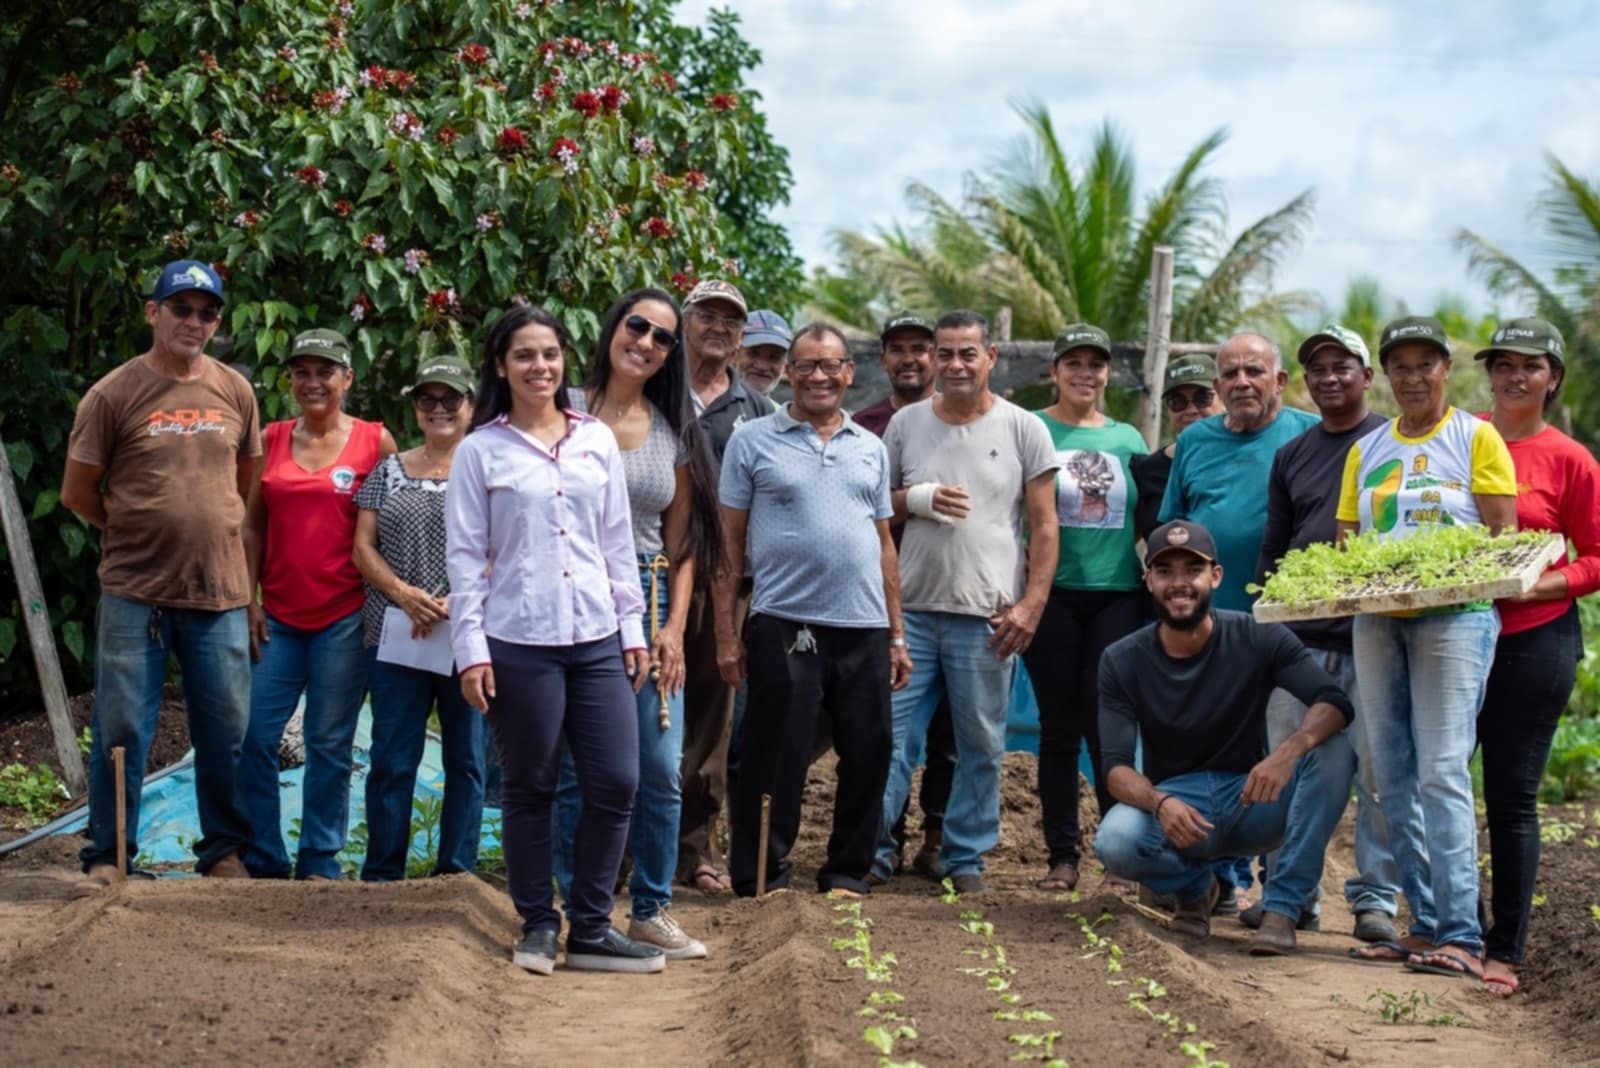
point(1340, 336)
point(1082, 336)
point(907, 321)
point(447, 369)
point(324, 344)
point(1424, 328)
point(1193, 370)
point(1526, 337)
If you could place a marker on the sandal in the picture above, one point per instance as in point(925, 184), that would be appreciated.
point(709, 880)
point(1501, 984)
point(1387, 952)
point(1063, 876)
point(1452, 961)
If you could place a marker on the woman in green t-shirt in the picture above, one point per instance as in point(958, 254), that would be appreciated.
point(1095, 598)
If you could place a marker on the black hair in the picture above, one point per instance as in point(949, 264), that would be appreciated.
point(820, 331)
point(1558, 368)
point(496, 344)
point(668, 390)
point(962, 319)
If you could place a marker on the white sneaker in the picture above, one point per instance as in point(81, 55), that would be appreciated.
point(663, 932)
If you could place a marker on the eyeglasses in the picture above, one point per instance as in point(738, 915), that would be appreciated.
point(711, 318)
point(639, 326)
point(207, 315)
point(1200, 398)
point(427, 402)
point(803, 368)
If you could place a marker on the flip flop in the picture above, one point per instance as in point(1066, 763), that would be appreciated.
point(1501, 986)
point(1395, 953)
point(1062, 876)
point(1459, 966)
point(709, 880)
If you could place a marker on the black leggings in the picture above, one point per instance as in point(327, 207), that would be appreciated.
point(1063, 664)
point(1529, 684)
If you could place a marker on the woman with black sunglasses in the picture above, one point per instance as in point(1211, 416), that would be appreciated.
point(399, 550)
point(638, 387)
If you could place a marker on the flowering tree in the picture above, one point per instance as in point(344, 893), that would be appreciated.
point(396, 169)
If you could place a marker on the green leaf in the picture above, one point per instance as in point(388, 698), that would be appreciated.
point(8, 636)
point(45, 503)
point(442, 190)
point(72, 537)
point(72, 638)
point(192, 86)
point(20, 453)
point(142, 173)
point(377, 185)
point(147, 42)
point(879, 1039)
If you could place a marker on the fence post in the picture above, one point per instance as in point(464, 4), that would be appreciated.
point(1158, 336)
point(31, 592)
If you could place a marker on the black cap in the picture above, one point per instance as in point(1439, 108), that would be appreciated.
point(907, 321)
point(1180, 535)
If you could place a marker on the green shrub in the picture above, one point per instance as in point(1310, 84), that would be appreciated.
point(38, 793)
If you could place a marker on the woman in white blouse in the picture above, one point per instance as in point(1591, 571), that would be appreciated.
point(546, 617)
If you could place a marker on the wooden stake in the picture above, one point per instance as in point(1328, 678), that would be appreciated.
point(119, 769)
point(31, 594)
point(1157, 342)
point(761, 854)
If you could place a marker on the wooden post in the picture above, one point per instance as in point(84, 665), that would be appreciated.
point(1158, 338)
point(31, 593)
point(120, 772)
point(1002, 325)
point(761, 853)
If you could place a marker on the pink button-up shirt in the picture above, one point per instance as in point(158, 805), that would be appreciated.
point(539, 541)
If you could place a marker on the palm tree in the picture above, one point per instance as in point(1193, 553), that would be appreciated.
point(1567, 215)
point(1058, 240)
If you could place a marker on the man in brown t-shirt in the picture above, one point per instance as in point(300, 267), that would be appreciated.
point(162, 454)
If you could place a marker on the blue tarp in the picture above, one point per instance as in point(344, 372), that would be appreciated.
point(169, 822)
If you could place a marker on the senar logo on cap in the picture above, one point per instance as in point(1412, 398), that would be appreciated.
point(1527, 337)
point(1178, 536)
point(1082, 335)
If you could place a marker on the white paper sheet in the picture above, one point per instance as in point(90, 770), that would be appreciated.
point(397, 646)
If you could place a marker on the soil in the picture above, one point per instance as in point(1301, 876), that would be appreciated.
point(178, 970)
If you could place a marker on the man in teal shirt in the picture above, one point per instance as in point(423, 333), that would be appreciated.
point(1221, 467)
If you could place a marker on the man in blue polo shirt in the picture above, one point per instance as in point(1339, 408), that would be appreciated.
point(810, 490)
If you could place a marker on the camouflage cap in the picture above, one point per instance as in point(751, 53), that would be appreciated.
point(1341, 336)
point(1528, 336)
point(1422, 328)
point(1082, 336)
point(716, 289)
point(1192, 370)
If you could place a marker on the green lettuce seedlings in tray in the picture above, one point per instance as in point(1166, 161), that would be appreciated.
point(1441, 566)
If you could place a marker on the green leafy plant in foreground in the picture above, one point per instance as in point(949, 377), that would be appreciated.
point(1438, 557)
point(1409, 1008)
point(36, 791)
point(1573, 770)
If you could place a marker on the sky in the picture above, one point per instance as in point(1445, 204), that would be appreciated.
point(1409, 119)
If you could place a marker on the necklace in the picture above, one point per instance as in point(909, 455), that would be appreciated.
point(431, 466)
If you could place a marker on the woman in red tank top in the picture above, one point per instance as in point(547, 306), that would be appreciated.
point(305, 635)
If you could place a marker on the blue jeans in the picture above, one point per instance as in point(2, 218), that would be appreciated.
point(653, 833)
point(1131, 843)
point(132, 643)
point(1346, 760)
point(329, 666)
point(1422, 682)
point(953, 660)
point(402, 697)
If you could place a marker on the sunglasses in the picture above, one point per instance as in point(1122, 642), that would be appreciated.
point(450, 402)
point(207, 315)
point(639, 326)
point(1200, 398)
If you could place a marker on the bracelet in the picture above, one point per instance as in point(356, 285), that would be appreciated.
point(1164, 799)
point(897, 643)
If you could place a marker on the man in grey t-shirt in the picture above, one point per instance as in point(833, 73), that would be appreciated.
point(963, 467)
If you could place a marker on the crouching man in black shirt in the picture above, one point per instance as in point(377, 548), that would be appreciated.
point(1195, 686)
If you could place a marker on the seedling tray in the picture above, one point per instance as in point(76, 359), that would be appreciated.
point(1522, 566)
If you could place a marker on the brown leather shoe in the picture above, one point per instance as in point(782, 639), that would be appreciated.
point(1274, 937)
point(229, 867)
point(1193, 918)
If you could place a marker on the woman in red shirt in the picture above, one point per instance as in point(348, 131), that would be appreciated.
point(305, 635)
point(1535, 661)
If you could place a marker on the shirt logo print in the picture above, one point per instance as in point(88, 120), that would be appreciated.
point(343, 478)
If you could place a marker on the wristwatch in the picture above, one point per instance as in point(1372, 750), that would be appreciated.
point(897, 643)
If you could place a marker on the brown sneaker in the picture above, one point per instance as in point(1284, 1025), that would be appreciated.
point(1275, 936)
point(229, 867)
point(96, 879)
point(1193, 918)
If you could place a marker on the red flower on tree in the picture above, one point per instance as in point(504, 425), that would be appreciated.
point(694, 180)
point(512, 142)
point(566, 151)
point(724, 102)
point(222, 271)
point(577, 46)
point(587, 103)
point(682, 282)
point(362, 307)
point(442, 301)
point(548, 89)
point(447, 136)
point(665, 80)
point(613, 97)
point(343, 208)
point(314, 177)
point(475, 55)
point(658, 227)
point(399, 80)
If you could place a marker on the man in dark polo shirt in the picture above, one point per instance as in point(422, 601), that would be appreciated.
point(1302, 496)
point(908, 361)
point(1193, 686)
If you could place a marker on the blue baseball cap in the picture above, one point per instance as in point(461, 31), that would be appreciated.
point(764, 327)
point(181, 276)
